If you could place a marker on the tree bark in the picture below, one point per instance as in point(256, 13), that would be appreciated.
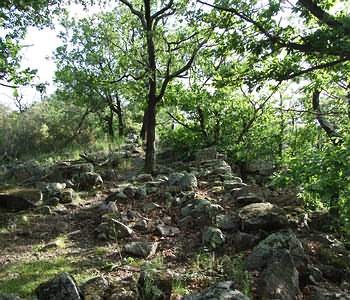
point(152, 92)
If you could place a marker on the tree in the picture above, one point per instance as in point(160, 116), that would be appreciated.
point(162, 69)
point(15, 17)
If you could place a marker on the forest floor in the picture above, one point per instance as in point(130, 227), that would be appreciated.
point(37, 244)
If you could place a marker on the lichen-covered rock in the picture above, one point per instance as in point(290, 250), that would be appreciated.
point(62, 287)
point(265, 252)
point(183, 181)
point(312, 292)
point(165, 230)
point(227, 222)
point(95, 288)
point(112, 229)
point(280, 280)
point(67, 196)
point(248, 199)
point(88, 180)
point(262, 216)
point(155, 285)
point(213, 238)
point(144, 177)
point(222, 290)
point(141, 249)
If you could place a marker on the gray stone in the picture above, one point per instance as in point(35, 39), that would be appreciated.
point(144, 177)
point(67, 196)
point(243, 241)
point(280, 280)
point(262, 216)
point(117, 196)
point(62, 287)
point(52, 201)
point(165, 230)
point(221, 291)
point(95, 288)
point(265, 252)
point(248, 199)
point(321, 293)
point(112, 229)
point(150, 207)
point(227, 222)
point(213, 238)
point(141, 249)
point(188, 182)
point(88, 180)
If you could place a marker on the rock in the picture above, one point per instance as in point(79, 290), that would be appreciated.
point(155, 285)
point(165, 230)
point(141, 249)
point(319, 293)
point(248, 199)
point(141, 225)
point(199, 207)
point(117, 196)
point(144, 177)
point(52, 201)
point(222, 290)
point(109, 207)
point(62, 287)
point(280, 280)
point(174, 178)
point(45, 210)
point(64, 171)
point(88, 180)
point(140, 193)
point(264, 253)
point(9, 297)
point(112, 229)
point(206, 154)
point(213, 237)
point(95, 288)
point(243, 241)
point(183, 181)
point(19, 199)
point(54, 188)
point(67, 196)
point(188, 182)
point(262, 216)
point(150, 207)
point(227, 222)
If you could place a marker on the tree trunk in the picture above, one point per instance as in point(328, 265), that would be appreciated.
point(152, 92)
point(151, 136)
point(144, 125)
point(120, 117)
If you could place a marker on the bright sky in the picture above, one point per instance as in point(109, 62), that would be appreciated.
point(38, 55)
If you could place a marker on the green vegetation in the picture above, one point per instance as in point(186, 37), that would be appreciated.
point(23, 278)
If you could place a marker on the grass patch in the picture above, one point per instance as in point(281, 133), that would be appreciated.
point(23, 278)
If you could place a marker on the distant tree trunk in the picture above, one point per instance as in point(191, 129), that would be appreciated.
point(121, 125)
point(144, 125)
point(150, 125)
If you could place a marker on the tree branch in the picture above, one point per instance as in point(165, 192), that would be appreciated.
point(135, 12)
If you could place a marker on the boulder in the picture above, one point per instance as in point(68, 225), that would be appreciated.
point(144, 177)
point(227, 222)
point(141, 249)
point(183, 181)
point(154, 284)
point(165, 230)
point(248, 199)
point(18, 199)
point(266, 251)
point(222, 290)
point(112, 229)
point(88, 180)
point(64, 170)
point(213, 238)
point(280, 280)
point(67, 196)
point(62, 287)
point(312, 292)
point(95, 288)
point(262, 216)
